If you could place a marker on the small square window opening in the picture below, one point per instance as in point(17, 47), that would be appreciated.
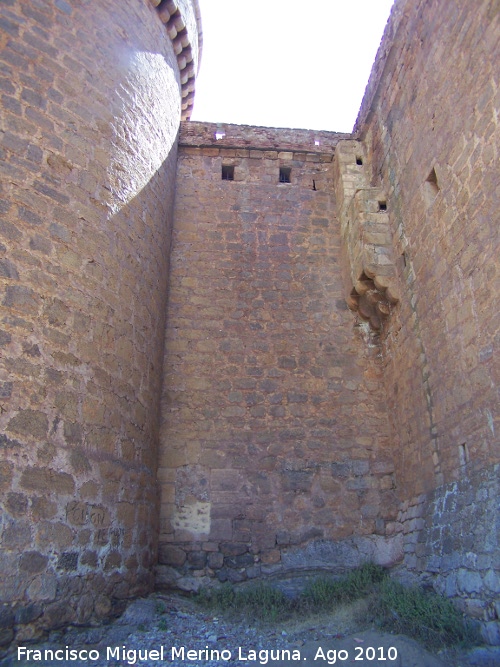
point(227, 172)
point(382, 206)
point(431, 187)
point(359, 160)
point(285, 174)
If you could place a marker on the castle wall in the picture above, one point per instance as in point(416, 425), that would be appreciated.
point(429, 126)
point(275, 442)
point(90, 109)
point(329, 376)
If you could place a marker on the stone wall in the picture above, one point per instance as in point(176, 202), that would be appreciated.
point(451, 541)
point(428, 128)
point(90, 108)
point(274, 428)
point(431, 144)
point(330, 392)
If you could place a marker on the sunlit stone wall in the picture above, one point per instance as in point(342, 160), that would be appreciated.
point(91, 106)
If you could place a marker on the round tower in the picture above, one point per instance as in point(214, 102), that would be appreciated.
point(92, 96)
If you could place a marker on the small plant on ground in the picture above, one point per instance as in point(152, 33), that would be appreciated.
point(420, 614)
point(160, 608)
point(423, 615)
point(222, 598)
point(267, 603)
point(261, 602)
point(326, 592)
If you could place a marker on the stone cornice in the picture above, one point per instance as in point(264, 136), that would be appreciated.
point(233, 136)
point(182, 20)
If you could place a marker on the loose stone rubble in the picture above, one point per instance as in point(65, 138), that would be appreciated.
point(177, 622)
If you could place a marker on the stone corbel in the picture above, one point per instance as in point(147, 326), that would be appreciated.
point(369, 268)
point(369, 248)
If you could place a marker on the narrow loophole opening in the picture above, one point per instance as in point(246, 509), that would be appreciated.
point(285, 174)
point(227, 172)
point(431, 187)
point(463, 454)
point(359, 160)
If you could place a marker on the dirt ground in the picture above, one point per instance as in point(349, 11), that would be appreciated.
point(355, 644)
point(162, 622)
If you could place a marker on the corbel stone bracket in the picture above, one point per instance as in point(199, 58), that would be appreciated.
point(182, 21)
point(369, 269)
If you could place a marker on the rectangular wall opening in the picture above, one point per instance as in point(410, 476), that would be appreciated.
point(285, 174)
point(463, 454)
point(227, 172)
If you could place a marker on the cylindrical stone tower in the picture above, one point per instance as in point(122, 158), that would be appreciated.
point(92, 96)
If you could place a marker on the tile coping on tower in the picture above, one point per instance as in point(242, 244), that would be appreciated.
point(187, 40)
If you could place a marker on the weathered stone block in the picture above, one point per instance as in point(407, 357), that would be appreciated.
point(16, 535)
point(29, 422)
point(22, 299)
point(197, 559)
point(113, 561)
point(215, 560)
point(68, 560)
point(233, 548)
point(171, 555)
point(297, 480)
point(43, 479)
point(492, 581)
point(54, 535)
point(33, 562)
point(17, 504)
point(469, 581)
point(76, 513)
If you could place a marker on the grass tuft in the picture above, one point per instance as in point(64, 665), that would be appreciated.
point(261, 602)
point(326, 592)
point(423, 615)
point(160, 607)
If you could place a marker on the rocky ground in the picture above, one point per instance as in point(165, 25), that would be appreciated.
point(166, 627)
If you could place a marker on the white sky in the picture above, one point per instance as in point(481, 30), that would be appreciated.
point(287, 63)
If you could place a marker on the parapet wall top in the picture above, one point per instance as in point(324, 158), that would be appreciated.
point(182, 19)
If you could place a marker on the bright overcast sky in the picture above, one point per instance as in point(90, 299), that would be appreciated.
point(287, 63)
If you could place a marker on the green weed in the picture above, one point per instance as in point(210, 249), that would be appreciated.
point(327, 592)
point(423, 615)
point(160, 608)
point(261, 602)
